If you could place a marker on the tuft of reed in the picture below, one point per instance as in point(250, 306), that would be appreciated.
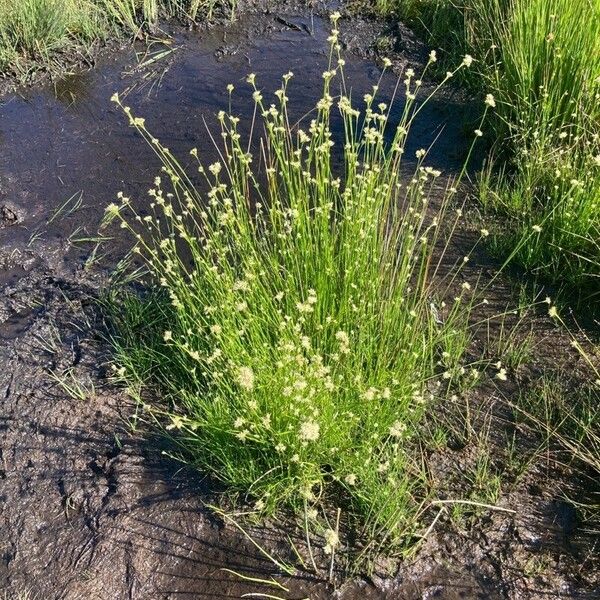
point(34, 32)
point(296, 327)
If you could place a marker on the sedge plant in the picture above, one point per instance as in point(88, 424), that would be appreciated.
point(546, 79)
point(295, 327)
point(541, 60)
point(33, 33)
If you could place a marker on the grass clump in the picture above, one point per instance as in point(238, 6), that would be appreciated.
point(547, 84)
point(568, 415)
point(34, 33)
point(38, 28)
point(294, 324)
point(541, 61)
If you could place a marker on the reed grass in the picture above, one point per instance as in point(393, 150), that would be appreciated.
point(35, 33)
point(296, 327)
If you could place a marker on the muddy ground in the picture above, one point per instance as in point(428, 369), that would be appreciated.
point(91, 509)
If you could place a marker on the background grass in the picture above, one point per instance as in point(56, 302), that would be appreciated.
point(36, 33)
point(541, 60)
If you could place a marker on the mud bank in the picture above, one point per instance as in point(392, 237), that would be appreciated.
point(89, 508)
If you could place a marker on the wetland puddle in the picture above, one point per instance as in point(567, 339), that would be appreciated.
point(69, 139)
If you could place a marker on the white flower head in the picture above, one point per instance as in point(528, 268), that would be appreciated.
point(245, 378)
point(398, 429)
point(332, 541)
point(490, 101)
point(309, 431)
point(112, 209)
point(369, 394)
point(350, 479)
point(215, 168)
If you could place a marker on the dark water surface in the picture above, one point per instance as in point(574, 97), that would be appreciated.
point(69, 139)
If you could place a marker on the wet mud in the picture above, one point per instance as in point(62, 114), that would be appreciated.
point(90, 508)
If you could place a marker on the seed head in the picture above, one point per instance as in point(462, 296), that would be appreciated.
point(350, 479)
point(246, 378)
point(309, 431)
point(398, 429)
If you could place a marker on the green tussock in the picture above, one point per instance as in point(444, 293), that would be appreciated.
point(541, 61)
point(35, 34)
point(296, 327)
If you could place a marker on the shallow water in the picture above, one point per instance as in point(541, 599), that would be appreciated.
point(68, 138)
